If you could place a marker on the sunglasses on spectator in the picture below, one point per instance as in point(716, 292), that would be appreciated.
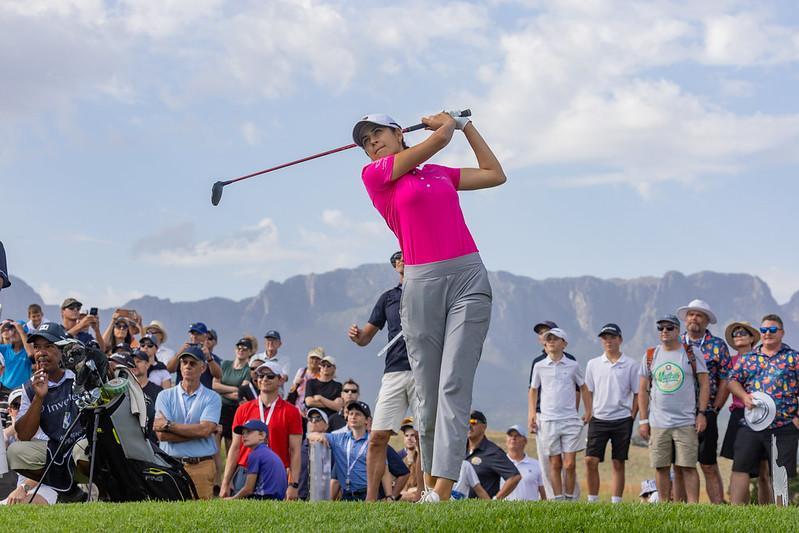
point(242, 347)
point(770, 329)
point(314, 419)
point(254, 368)
point(74, 307)
point(667, 328)
point(351, 391)
point(741, 333)
point(267, 376)
point(121, 325)
point(152, 331)
point(147, 345)
point(326, 365)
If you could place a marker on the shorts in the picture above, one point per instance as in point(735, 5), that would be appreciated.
point(226, 419)
point(397, 394)
point(751, 447)
point(618, 432)
point(561, 436)
point(709, 441)
point(680, 443)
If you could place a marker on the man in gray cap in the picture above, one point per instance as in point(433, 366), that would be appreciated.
point(668, 402)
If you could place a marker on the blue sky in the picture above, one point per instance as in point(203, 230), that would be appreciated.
point(638, 137)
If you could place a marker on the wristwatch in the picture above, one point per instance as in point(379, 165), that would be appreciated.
point(294, 485)
point(167, 426)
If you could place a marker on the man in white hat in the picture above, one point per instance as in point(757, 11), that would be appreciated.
point(697, 315)
point(772, 369)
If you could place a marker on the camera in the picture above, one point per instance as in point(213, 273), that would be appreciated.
point(89, 364)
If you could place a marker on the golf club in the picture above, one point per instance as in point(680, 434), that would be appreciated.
point(218, 187)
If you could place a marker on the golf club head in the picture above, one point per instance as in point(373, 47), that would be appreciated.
point(216, 192)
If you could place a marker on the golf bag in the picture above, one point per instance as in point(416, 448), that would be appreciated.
point(128, 466)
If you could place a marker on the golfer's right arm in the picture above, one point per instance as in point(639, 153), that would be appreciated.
point(443, 127)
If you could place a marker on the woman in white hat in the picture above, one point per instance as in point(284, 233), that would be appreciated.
point(446, 298)
point(743, 337)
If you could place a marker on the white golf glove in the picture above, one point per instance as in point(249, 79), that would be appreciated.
point(460, 122)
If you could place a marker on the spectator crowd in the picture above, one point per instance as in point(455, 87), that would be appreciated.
point(243, 427)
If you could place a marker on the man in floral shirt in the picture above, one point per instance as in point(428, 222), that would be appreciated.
point(697, 315)
point(773, 369)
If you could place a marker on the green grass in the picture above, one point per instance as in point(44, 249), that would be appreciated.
point(466, 516)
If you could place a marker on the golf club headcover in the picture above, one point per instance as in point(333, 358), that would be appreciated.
point(460, 121)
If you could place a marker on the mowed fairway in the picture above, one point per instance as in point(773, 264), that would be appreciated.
point(338, 516)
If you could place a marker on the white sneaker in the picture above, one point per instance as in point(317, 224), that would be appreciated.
point(429, 496)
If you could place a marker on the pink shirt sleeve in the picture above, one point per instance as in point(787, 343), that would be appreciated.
point(377, 174)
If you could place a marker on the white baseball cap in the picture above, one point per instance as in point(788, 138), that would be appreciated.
point(379, 119)
point(559, 333)
point(270, 365)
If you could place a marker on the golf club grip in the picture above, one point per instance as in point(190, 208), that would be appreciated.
point(464, 113)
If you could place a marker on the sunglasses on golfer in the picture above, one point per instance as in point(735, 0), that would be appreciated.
point(770, 329)
point(667, 328)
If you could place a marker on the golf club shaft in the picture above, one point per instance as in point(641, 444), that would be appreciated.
point(464, 113)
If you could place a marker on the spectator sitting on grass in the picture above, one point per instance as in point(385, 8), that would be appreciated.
point(531, 486)
point(468, 483)
point(324, 392)
point(410, 456)
point(317, 423)
point(349, 451)
point(649, 492)
point(489, 461)
point(266, 475)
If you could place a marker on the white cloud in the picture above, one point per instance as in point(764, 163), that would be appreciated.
point(250, 133)
point(748, 39)
point(90, 295)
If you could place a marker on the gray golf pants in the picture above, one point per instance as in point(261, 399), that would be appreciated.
point(445, 312)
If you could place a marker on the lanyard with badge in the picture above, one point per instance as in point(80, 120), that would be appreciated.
point(268, 416)
point(350, 466)
point(182, 401)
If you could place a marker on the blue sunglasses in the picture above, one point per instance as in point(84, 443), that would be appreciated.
point(770, 329)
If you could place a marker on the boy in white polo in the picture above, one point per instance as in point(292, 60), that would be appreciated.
point(612, 380)
point(562, 429)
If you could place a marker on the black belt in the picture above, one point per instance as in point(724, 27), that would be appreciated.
point(194, 460)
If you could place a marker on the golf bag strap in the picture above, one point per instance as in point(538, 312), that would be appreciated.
point(650, 356)
point(689, 350)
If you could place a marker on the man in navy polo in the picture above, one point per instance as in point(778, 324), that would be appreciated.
point(198, 335)
point(397, 391)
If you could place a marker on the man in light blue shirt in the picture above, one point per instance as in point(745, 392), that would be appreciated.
point(186, 420)
point(349, 451)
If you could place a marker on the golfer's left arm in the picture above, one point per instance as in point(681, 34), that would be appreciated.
point(490, 173)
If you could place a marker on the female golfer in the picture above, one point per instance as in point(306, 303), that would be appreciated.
point(446, 297)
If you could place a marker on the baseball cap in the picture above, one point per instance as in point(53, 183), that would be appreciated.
point(379, 119)
point(272, 334)
point(478, 416)
point(15, 394)
point(198, 327)
point(244, 341)
point(559, 333)
point(49, 331)
point(138, 354)
point(611, 328)
point(329, 359)
point(396, 256)
point(193, 351)
point(7, 325)
point(546, 324)
point(123, 359)
point(270, 365)
point(407, 422)
point(212, 334)
point(257, 358)
point(671, 319)
point(360, 406)
point(4, 281)
point(122, 347)
point(517, 428)
point(317, 411)
point(150, 338)
point(251, 425)
point(648, 486)
point(70, 301)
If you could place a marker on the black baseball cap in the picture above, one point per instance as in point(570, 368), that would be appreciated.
point(138, 354)
point(70, 302)
point(49, 331)
point(671, 319)
point(272, 334)
point(360, 406)
point(193, 351)
point(212, 334)
point(244, 341)
point(479, 416)
point(122, 347)
point(548, 324)
point(123, 359)
point(150, 338)
point(396, 256)
point(611, 328)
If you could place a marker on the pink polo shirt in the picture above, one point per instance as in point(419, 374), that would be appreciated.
point(422, 209)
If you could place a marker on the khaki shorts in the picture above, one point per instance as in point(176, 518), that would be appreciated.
point(396, 396)
point(32, 454)
point(686, 447)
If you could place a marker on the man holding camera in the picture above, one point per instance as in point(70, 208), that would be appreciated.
point(78, 326)
point(46, 411)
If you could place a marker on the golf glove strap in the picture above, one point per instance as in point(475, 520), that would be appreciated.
point(460, 122)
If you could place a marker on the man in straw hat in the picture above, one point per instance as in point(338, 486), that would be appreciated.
point(772, 369)
point(697, 315)
point(743, 337)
